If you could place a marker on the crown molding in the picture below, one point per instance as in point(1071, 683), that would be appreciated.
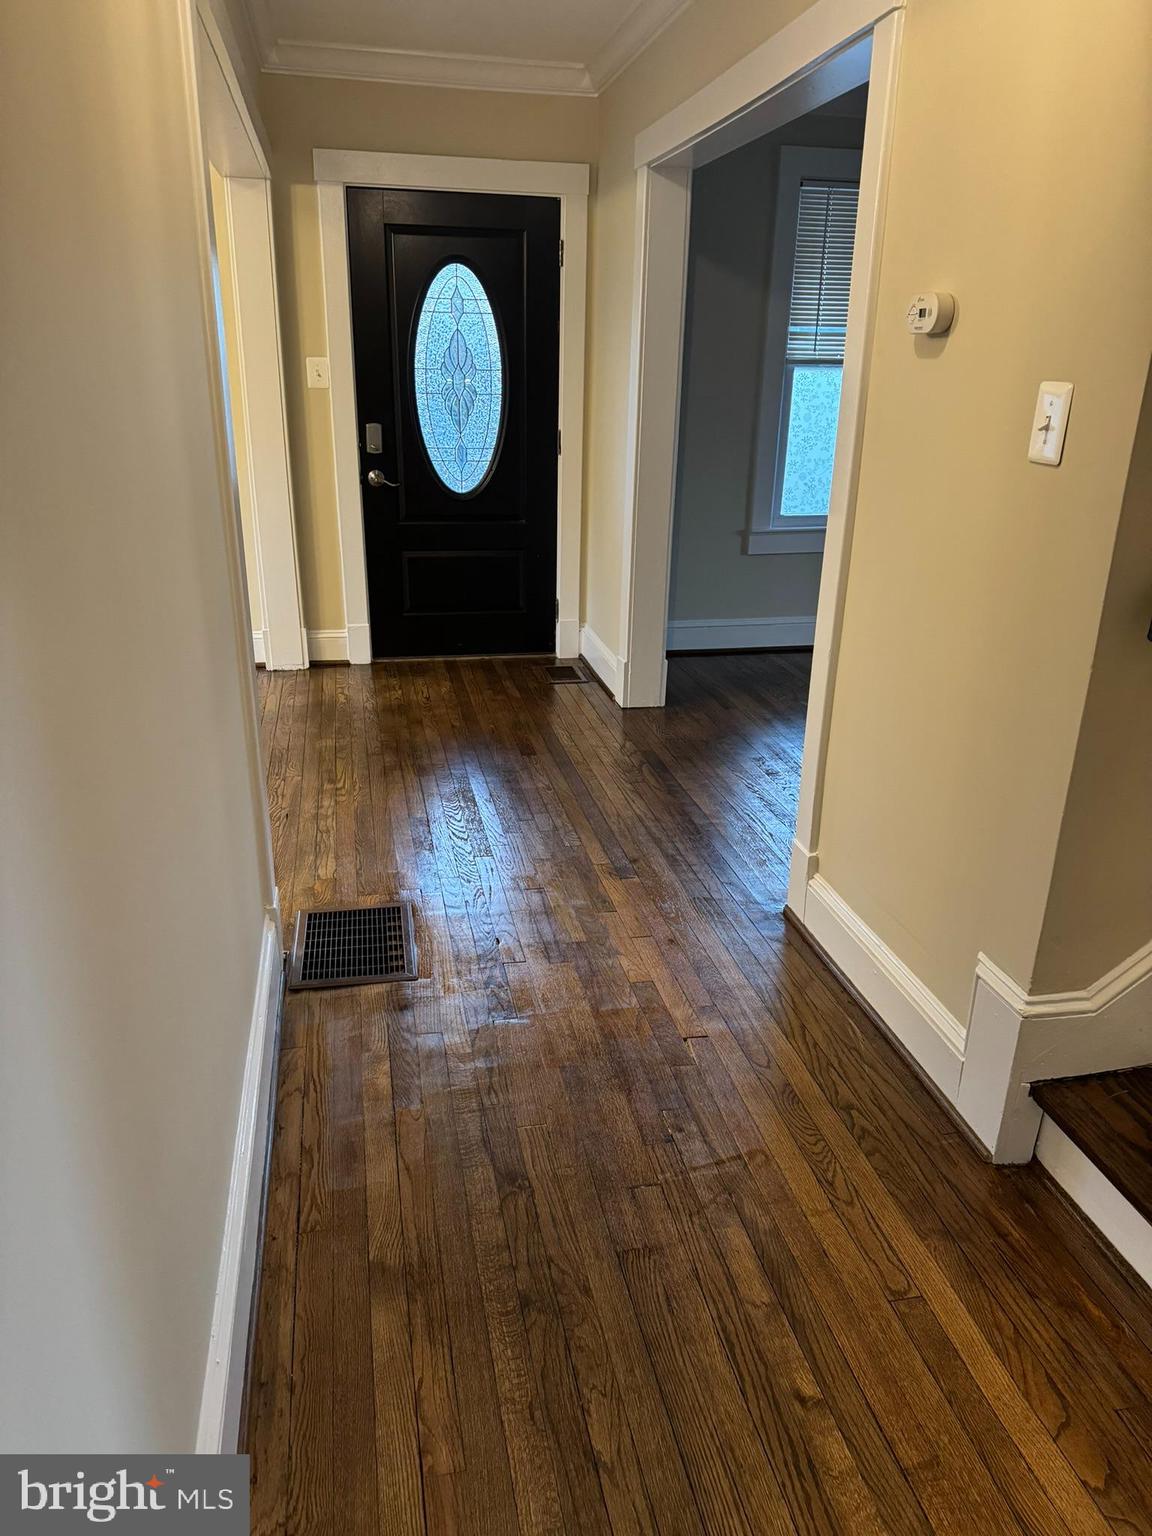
point(402, 66)
point(463, 71)
point(639, 28)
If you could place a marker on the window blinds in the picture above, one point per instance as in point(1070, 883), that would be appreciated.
point(822, 275)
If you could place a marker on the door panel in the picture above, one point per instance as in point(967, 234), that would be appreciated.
point(456, 313)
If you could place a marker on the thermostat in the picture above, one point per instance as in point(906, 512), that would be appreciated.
point(930, 314)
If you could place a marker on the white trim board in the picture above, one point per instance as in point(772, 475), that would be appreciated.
point(220, 1402)
point(1103, 1204)
point(260, 383)
point(328, 645)
point(233, 144)
point(466, 71)
point(740, 634)
point(932, 1036)
point(337, 169)
point(604, 662)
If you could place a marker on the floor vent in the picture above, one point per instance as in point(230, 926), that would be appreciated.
point(565, 674)
point(352, 947)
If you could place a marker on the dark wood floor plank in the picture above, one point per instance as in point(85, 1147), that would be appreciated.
point(268, 1430)
point(623, 1217)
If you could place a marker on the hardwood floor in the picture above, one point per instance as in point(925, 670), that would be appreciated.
point(624, 1218)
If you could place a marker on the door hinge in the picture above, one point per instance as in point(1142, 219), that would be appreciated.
point(559, 442)
point(561, 253)
point(557, 610)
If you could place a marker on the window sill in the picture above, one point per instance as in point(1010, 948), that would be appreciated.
point(784, 541)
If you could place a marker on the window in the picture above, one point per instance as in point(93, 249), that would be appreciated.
point(804, 348)
point(458, 378)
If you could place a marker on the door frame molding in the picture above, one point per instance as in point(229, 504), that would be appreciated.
point(336, 169)
point(235, 148)
point(805, 63)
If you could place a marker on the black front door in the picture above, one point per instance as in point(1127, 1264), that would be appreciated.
point(456, 328)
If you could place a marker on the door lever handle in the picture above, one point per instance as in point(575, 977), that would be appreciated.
point(377, 477)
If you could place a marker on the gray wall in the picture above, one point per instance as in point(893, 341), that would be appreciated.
point(729, 255)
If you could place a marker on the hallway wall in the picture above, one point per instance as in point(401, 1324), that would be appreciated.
point(1100, 906)
point(977, 579)
point(302, 114)
point(135, 869)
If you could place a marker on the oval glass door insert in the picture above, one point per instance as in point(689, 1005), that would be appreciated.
point(458, 378)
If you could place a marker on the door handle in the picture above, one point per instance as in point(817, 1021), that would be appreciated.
point(377, 477)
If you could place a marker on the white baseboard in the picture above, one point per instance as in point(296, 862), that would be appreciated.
point(567, 638)
point(330, 644)
point(802, 869)
point(359, 644)
point(258, 648)
point(1017, 1038)
point(605, 663)
point(220, 1401)
point(985, 1064)
point(739, 634)
point(931, 1035)
point(1099, 1199)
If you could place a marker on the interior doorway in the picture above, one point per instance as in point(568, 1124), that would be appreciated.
point(248, 325)
point(768, 284)
point(829, 51)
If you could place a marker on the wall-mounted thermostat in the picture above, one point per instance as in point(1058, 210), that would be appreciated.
point(930, 314)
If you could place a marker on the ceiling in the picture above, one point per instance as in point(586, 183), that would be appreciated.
point(574, 47)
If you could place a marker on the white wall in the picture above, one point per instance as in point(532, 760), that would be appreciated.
point(729, 273)
point(135, 869)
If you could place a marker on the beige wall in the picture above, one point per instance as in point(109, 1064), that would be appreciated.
point(977, 579)
point(303, 114)
point(1100, 905)
point(134, 874)
point(230, 350)
point(729, 273)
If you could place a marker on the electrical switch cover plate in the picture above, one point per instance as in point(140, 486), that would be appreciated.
point(1046, 443)
point(317, 369)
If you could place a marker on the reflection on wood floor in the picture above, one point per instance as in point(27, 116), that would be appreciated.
point(624, 1218)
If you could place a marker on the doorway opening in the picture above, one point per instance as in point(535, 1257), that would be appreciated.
point(766, 308)
point(248, 335)
point(831, 54)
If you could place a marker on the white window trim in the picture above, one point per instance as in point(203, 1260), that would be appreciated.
point(767, 533)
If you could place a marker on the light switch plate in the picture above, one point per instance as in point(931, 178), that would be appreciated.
point(1046, 444)
point(317, 370)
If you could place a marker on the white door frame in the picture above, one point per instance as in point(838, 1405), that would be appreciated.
point(336, 169)
point(808, 62)
point(234, 147)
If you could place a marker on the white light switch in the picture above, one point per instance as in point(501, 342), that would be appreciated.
point(1046, 445)
point(317, 368)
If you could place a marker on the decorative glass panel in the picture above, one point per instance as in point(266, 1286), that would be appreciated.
point(458, 377)
point(813, 406)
